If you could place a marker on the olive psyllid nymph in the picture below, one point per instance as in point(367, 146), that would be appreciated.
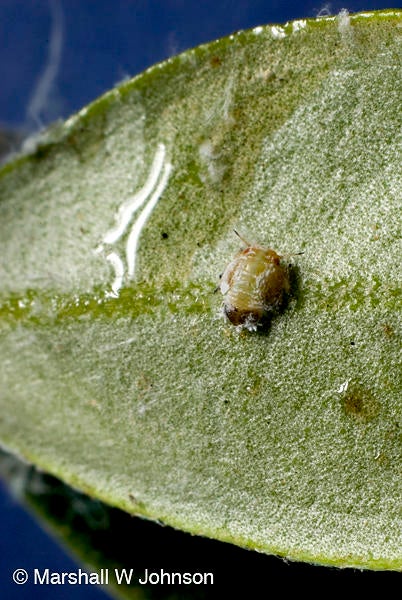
point(254, 285)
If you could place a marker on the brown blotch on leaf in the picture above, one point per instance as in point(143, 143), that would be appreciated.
point(360, 404)
point(134, 500)
point(216, 61)
point(387, 329)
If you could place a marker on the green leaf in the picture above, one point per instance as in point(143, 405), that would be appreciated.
point(122, 377)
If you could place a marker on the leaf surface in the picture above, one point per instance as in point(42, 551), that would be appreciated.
point(118, 371)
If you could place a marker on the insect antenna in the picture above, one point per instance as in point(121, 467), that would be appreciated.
point(242, 238)
point(292, 254)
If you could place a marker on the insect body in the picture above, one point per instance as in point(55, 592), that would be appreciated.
point(254, 285)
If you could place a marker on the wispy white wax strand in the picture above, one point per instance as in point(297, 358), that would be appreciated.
point(132, 241)
point(117, 264)
point(131, 205)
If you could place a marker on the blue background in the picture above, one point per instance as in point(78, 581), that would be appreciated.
point(101, 43)
point(105, 41)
